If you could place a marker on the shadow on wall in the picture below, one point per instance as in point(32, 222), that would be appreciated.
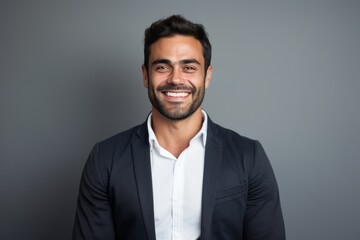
point(111, 100)
point(77, 109)
point(114, 100)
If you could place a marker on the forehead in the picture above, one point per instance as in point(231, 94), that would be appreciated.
point(176, 47)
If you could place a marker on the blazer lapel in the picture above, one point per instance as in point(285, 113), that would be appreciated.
point(212, 168)
point(142, 169)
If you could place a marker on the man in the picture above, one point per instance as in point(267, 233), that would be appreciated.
point(178, 175)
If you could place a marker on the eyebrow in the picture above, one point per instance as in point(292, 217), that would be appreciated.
point(192, 60)
point(167, 61)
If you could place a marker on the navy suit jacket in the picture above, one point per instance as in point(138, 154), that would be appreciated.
point(240, 198)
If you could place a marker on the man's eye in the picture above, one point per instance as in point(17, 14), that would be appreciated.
point(189, 69)
point(161, 68)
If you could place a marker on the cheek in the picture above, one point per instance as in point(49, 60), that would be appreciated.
point(157, 79)
point(197, 79)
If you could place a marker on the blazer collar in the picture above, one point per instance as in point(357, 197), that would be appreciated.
point(142, 168)
point(213, 158)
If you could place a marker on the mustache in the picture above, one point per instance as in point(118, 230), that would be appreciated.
point(168, 88)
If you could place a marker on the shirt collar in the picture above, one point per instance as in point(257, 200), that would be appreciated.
point(202, 133)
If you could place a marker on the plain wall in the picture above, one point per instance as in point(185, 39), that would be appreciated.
point(285, 72)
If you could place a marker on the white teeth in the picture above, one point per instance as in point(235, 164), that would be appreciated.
point(176, 94)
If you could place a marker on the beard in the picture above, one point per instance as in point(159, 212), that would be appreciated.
point(176, 111)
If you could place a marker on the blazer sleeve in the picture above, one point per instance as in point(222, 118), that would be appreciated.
point(263, 216)
point(93, 218)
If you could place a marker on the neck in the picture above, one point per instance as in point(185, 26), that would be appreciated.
point(175, 135)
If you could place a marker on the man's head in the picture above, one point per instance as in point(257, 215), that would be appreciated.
point(176, 25)
point(177, 67)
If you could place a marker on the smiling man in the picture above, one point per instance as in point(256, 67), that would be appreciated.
point(178, 175)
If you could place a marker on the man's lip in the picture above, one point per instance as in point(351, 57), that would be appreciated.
point(175, 89)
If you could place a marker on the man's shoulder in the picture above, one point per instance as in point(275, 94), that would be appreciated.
point(122, 139)
point(235, 145)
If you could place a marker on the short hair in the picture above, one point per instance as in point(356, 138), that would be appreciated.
point(173, 25)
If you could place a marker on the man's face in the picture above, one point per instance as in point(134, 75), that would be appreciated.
point(176, 78)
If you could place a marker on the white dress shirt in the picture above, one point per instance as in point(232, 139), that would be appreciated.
point(177, 187)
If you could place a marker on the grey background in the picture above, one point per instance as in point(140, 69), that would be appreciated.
point(285, 72)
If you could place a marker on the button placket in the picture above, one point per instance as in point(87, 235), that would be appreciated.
point(178, 197)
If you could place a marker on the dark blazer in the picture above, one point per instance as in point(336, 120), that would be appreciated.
point(240, 198)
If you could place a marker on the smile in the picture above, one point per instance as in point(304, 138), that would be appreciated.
point(177, 94)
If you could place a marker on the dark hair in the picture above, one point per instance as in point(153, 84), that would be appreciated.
point(172, 25)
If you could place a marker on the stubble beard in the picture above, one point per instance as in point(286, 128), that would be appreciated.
point(176, 111)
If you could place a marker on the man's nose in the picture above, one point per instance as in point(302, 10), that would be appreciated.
point(176, 77)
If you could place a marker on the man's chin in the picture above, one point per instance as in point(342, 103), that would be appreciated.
point(176, 116)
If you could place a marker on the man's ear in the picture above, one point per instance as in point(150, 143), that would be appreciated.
point(208, 76)
point(145, 76)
